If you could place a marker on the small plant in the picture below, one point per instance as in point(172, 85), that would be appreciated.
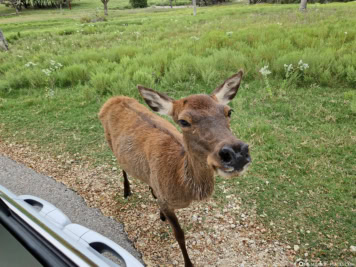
point(265, 72)
point(138, 3)
point(293, 74)
point(30, 64)
point(51, 80)
point(351, 97)
point(97, 17)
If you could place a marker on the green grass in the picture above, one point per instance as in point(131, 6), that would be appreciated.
point(302, 137)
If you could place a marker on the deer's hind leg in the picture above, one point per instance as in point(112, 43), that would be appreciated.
point(127, 190)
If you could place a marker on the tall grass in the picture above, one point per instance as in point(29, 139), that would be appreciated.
point(186, 50)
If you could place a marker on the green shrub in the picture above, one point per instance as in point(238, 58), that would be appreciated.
point(138, 3)
point(85, 19)
point(18, 79)
point(73, 75)
point(36, 78)
point(67, 32)
point(183, 69)
point(351, 96)
point(351, 75)
point(294, 1)
point(215, 39)
point(144, 77)
point(102, 83)
point(4, 87)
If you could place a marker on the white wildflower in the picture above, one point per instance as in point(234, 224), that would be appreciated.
point(288, 68)
point(265, 71)
point(29, 64)
point(302, 66)
point(47, 72)
point(345, 32)
point(51, 93)
point(195, 38)
point(229, 33)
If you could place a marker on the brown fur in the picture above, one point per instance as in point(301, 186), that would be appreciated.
point(145, 155)
point(178, 167)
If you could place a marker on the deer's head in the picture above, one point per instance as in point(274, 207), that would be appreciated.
point(205, 124)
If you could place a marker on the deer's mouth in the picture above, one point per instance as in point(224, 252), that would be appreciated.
point(229, 172)
point(229, 169)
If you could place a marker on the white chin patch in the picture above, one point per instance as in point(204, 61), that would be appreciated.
point(230, 173)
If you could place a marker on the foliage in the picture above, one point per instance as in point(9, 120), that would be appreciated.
point(105, 3)
point(211, 2)
point(19, 4)
point(295, 1)
point(93, 18)
point(138, 3)
point(265, 72)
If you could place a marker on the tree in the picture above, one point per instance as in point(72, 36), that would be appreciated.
point(303, 5)
point(105, 2)
point(194, 7)
point(60, 4)
point(3, 43)
point(13, 3)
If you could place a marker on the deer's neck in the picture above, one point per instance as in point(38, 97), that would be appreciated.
point(198, 178)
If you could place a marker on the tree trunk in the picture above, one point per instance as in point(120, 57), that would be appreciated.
point(106, 8)
point(3, 43)
point(170, 1)
point(194, 7)
point(303, 5)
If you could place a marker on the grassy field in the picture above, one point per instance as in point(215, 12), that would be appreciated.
point(299, 120)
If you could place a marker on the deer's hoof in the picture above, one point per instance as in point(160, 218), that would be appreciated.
point(127, 194)
point(162, 217)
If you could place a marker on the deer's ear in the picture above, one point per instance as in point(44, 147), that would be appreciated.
point(227, 91)
point(157, 101)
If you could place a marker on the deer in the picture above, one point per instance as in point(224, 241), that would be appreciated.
point(178, 166)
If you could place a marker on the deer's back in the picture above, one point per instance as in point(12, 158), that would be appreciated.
point(143, 142)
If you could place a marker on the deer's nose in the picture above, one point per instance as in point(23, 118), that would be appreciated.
point(236, 156)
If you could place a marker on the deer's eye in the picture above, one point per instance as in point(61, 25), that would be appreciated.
point(230, 112)
point(184, 123)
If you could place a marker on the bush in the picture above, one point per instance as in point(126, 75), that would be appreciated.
point(295, 1)
point(73, 75)
point(102, 82)
point(138, 3)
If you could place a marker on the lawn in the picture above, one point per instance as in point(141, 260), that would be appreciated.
point(299, 121)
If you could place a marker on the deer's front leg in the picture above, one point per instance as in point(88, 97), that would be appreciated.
point(178, 233)
point(161, 215)
point(127, 189)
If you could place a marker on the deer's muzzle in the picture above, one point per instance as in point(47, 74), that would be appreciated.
point(231, 160)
